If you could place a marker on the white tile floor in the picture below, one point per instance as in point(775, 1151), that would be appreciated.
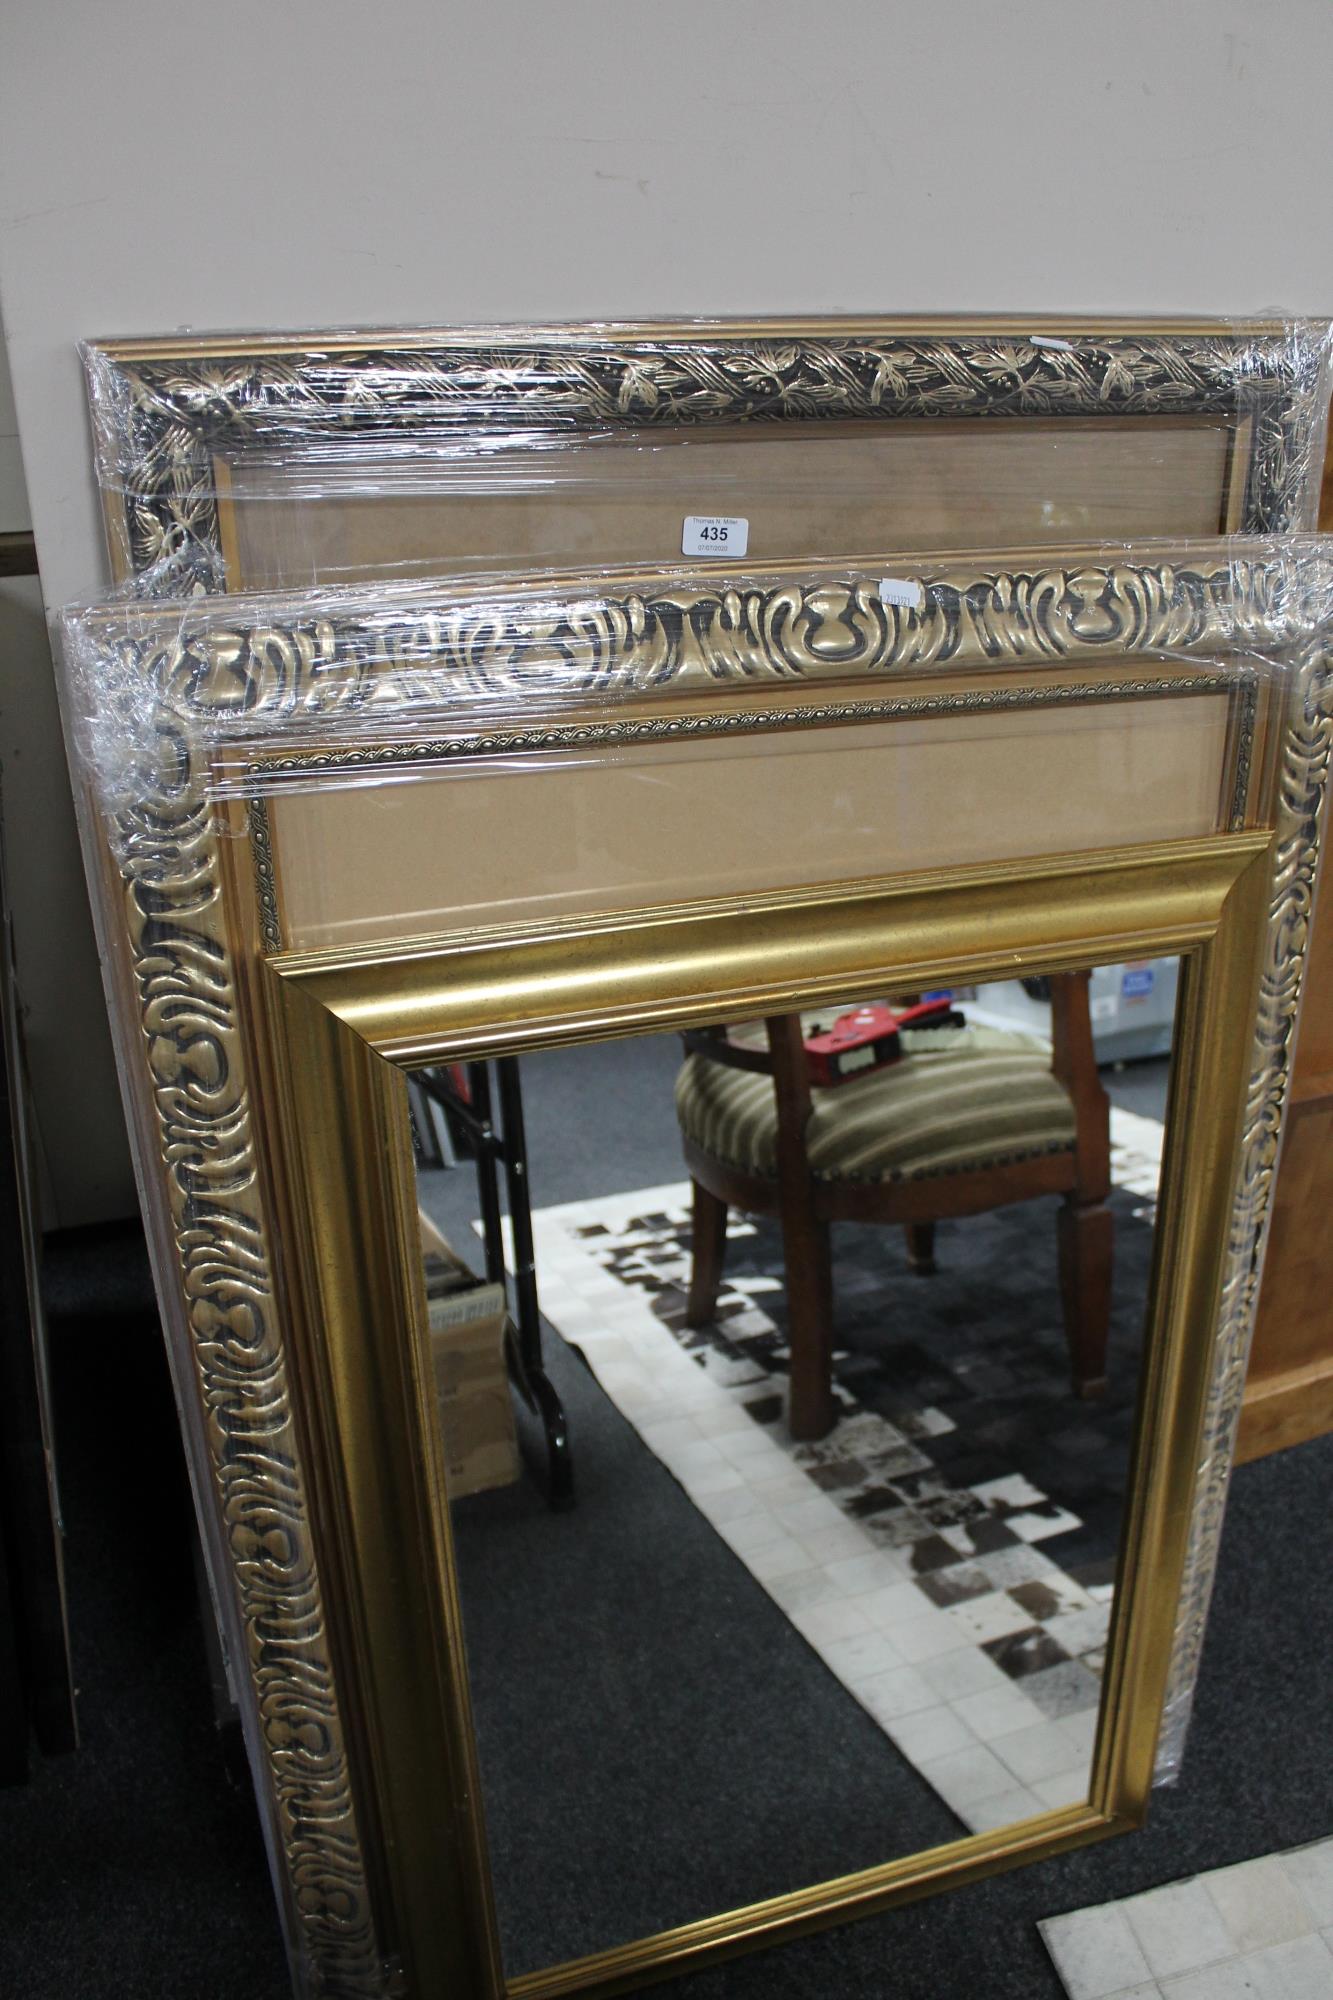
point(1262, 1930)
point(992, 1754)
point(989, 1751)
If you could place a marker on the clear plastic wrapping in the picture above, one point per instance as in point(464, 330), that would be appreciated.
point(251, 461)
point(203, 730)
point(638, 643)
point(404, 662)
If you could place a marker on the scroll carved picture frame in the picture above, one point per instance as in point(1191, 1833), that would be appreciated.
point(168, 411)
point(210, 999)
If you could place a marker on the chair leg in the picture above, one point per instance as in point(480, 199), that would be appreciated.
point(921, 1246)
point(811, 1406)
point(708, 1248)
point(1085, 1236)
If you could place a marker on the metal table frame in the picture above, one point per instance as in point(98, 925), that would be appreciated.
point(496, 1145)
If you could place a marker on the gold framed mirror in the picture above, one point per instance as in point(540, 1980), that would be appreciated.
point(271, 996)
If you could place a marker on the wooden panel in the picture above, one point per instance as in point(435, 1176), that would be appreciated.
point(1281, 1410)
point(1314, 1048)
point(1289, 1389)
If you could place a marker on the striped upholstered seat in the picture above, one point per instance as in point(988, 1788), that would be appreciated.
point(957, 1101)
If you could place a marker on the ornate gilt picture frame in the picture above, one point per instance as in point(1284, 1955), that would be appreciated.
point(177, 419)
point(265, 1083)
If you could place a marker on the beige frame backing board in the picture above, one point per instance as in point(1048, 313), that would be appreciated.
point(672, 816)
point(268, 1101)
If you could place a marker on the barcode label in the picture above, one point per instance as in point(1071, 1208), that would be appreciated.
point(715, 535)
point(898, 590)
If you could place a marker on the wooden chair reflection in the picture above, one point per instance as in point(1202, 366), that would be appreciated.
point(983, 1121)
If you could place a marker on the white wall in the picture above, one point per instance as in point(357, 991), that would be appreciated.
point(169, 163)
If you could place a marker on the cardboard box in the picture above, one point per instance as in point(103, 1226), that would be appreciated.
point(468, 1320)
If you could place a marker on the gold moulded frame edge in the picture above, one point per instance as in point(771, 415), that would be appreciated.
point(335, 1019)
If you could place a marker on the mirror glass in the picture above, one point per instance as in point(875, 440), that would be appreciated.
point(710, 1660)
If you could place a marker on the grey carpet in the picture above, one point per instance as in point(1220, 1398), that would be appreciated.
point(628, 1790)
point(657, 1741)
